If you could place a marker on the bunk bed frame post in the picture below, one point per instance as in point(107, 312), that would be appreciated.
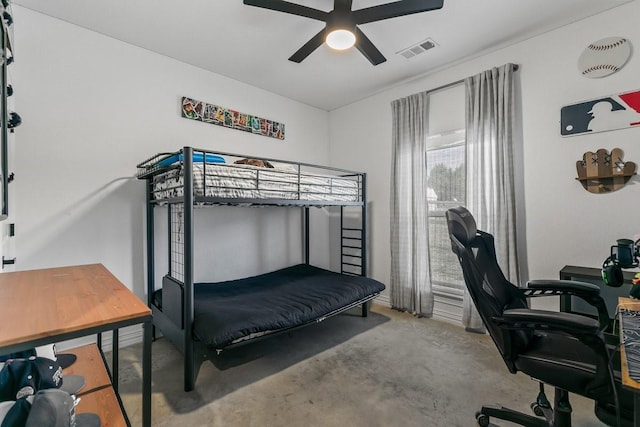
point(364, 270)
point(170, 208)
point(306, 235)
point(363, 241)
point(341, 239)
point(150, 250)
point(189, 366)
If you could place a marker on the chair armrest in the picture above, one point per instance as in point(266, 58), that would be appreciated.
point(549, 320)
point(588, 292)
point(565, 286)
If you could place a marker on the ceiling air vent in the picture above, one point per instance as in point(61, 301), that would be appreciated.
point(417, 49)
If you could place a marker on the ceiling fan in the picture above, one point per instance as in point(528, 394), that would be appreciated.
point(342, 23)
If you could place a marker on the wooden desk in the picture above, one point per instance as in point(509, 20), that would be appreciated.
point(39, 307)
point(627, 381)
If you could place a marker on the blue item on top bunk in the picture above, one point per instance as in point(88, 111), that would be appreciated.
point(197, 157)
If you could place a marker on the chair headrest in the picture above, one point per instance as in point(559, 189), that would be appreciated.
point(461, 224)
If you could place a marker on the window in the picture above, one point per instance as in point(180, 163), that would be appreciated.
point(446, 183)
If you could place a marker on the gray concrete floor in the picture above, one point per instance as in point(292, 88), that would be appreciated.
point(387, 369)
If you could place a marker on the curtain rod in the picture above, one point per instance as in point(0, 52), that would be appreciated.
point(457, 82)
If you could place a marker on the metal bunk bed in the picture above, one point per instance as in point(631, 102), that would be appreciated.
point(188, 178)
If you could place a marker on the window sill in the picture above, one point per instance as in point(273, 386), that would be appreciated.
point(448, 292)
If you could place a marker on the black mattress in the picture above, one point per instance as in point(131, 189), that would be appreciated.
point(228, 311)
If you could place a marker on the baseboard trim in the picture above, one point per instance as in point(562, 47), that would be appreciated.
point(383, 300)
point(126, 337)
point(446, 306)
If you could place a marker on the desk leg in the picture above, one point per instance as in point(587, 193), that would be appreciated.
point(636, 409)
point(146, 374)
point(115, 347)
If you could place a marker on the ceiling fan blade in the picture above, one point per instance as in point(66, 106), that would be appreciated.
point(308, 47)
point(394, 9)
point(342, 5)
point(288, 7)
point(367, 48)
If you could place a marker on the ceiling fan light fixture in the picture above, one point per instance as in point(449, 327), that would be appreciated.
point(345, 21)
point(340, 39)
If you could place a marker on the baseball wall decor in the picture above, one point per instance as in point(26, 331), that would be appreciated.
point(601, 114)
point(604, 57)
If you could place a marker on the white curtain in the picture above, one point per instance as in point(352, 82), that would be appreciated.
point(490, 176)
point(410, 279)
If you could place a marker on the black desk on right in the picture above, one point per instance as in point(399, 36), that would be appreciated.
point(613, 298)
point(593, 275)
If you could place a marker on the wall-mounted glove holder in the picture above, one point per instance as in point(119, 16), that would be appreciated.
point(604, 172)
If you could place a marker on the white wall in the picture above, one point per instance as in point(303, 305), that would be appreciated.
point(93, 108)
point(564, 223)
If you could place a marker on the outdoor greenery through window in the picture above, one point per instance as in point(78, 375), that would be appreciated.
point(446, 145)
point(446, 189)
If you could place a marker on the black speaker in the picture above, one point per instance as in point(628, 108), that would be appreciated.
point(624, 254)
point(612, 274)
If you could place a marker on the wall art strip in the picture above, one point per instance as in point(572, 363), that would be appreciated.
point(209, 113)
point(601, 114)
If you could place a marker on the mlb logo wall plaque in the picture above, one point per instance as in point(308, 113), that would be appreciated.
point(602, 114)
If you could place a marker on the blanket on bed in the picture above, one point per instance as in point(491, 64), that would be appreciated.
point(293, 296)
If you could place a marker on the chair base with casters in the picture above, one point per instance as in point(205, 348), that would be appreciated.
point(566, 351)
point(545, 415)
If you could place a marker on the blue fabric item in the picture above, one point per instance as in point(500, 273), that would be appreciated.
point(197, 157)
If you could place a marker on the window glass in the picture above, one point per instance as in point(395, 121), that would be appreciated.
point(446, 180)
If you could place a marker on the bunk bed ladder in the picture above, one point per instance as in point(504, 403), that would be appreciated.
point(351, 246)
point(353, 236)
point(353, 240)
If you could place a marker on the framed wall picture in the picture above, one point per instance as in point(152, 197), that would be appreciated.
point(209, 113)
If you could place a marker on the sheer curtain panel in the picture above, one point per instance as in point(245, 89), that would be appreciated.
point(410, 278)
point(490, 176)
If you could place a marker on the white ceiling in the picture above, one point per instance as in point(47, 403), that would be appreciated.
point(252, 45)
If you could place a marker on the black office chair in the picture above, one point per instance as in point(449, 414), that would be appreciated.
point(566, 351)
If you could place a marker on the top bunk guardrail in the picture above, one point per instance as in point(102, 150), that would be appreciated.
point(227, 178)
